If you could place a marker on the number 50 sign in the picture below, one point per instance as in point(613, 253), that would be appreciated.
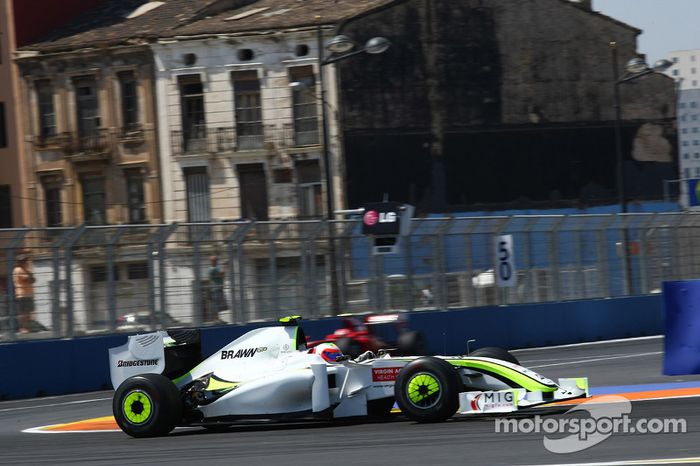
point(505, 261)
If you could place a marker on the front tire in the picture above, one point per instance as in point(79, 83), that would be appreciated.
point(495, 352)
point(147, 405)
point(427, 390)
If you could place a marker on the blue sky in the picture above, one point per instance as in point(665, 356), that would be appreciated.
point(667, 24)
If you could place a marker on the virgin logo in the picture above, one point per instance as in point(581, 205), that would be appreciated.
point(371, 217)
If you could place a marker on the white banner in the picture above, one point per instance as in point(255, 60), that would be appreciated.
point(505, 261)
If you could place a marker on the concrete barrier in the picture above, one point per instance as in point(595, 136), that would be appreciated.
point(55, 367)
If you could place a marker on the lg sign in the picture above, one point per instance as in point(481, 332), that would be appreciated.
point(382, 219)
point(372, 217)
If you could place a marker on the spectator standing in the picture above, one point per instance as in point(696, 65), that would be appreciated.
point(427, 296)
point(23, 281)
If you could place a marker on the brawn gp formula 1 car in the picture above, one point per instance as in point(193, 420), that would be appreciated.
point(268, 373)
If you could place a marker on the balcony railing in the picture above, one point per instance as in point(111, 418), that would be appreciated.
point(131, 132)
point(48, 141)
point(221, 140)
point(216, 140)
point(295, 136)
point(94, 143)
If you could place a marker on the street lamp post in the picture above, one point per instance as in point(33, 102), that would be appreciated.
point(341, 47)
point(635, 69)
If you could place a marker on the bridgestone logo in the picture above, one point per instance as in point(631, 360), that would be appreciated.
point(139, 362)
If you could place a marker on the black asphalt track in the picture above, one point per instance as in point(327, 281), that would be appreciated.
point(461, 441)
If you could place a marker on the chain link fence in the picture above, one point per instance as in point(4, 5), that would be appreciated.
point(67, 282)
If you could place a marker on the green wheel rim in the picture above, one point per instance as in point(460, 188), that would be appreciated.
point(423, 390)
point(137, 407)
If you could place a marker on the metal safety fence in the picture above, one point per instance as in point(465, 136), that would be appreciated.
point(66, 282)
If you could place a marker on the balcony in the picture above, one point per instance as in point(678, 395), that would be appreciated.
point(216, 140)
point(248, 138)
point(300, 136)
point(132, 133)
point(92, 146)
point(48, 142)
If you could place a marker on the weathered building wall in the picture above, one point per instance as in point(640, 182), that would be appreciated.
point(12, 202)
point(273, 57)
point(504, 101)
point(61, 158)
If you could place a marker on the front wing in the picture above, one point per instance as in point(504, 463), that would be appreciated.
point(510, 400)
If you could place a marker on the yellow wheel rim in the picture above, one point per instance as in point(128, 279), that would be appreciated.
point(423, 390)
point(137, 407)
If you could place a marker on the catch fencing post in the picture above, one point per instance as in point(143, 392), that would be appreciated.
point(68, 254)
point(162, 237)
point(345, 240)
point(236, 239)
point(554, 257)
point(111, 295)
point(643, 251)
point(56, 320)
point(603, 255)
point(469, 261)
point(272, 250)
point(528, 261)
point(308, 262)
point(408, 260)
point(439, 266)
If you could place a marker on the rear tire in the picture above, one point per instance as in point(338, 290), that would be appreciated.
point(495, 353)
point(427, 390)
point(147, 405)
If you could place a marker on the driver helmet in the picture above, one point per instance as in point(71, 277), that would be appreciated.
point(328, 351)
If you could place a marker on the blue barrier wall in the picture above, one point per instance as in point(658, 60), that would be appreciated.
point(681, 345)
point(532, 325)
point(54, 367)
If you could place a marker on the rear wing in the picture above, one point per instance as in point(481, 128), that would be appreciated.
point(171, 353)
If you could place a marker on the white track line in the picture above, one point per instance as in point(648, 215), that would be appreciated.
point(590, 343)
point(38, 430)
point(527, 361)
point(695, 460)
point(21, 408)
point(584, 361)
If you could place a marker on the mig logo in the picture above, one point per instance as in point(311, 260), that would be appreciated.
point(492, 401)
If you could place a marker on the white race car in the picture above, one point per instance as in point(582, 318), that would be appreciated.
point(268, 373)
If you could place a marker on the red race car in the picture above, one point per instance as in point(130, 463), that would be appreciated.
point(374, 332)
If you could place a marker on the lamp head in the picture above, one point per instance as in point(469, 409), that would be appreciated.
point(340, 44)
point(636, 65)
point(662, 65)
point(377, 45)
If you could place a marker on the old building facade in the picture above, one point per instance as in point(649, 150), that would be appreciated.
point(240, 126)
point(91, 141)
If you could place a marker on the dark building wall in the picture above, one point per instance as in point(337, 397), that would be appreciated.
point(497, 102)
point(36, 18)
